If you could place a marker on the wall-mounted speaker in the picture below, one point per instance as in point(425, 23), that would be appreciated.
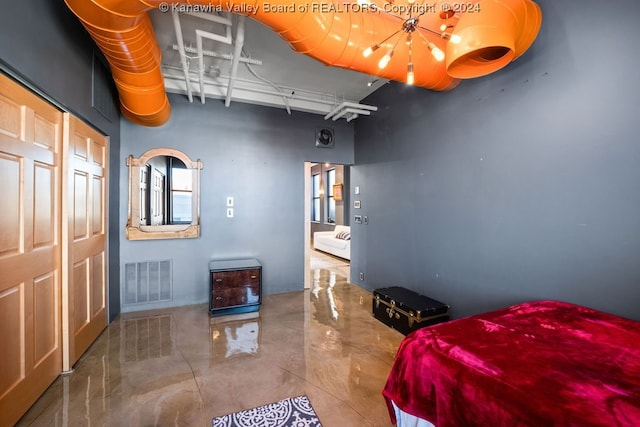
point(325, 138)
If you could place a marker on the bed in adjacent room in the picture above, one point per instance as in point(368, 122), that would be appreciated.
point(542, 363)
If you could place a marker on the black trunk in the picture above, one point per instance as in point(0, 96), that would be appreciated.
point(405, 310)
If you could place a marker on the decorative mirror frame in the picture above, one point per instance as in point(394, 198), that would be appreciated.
point(137, 231)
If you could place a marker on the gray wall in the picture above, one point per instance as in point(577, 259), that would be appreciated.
point(44, 46)
point(255, 154)
point(521, 185)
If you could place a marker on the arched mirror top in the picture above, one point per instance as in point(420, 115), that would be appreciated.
point(164, 195)
point(164, 152)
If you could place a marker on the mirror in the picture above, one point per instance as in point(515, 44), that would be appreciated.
point(164, 195)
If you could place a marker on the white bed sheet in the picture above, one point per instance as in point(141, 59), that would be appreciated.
point(406, 420)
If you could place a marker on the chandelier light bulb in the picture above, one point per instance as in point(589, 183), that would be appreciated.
point(384, 61)
point(410, 76)
point(443, 27)
point(454, 38)
point(368, 51)
point(436, 52)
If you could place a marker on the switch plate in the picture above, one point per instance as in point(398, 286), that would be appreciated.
point(366, 219)
point(358, 219)
point(229, 212)
point(229, 201)
point(356, 190)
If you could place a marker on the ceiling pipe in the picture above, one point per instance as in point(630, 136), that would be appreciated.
point(183, 54)
point(349, 107)
point(351, 111)
point(335, 35)
point(294, 96)
point(219, 55)
point(237, 52)
point(315, 105)
point(201, 34)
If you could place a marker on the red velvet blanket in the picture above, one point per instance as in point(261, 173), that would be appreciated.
point(544, 363)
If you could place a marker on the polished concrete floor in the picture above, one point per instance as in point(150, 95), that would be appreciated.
point(179, 367)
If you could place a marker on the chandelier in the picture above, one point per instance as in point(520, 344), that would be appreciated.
point(410, 25)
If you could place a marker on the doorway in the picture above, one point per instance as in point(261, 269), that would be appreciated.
point(326, 206)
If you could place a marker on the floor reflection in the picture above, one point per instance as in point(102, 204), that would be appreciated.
point(147, 338)
point(236, 335)
point(180, 367)
point(323, 295)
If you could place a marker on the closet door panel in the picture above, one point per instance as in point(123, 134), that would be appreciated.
point(85, 292)
point(30, 250)
point(11, 171)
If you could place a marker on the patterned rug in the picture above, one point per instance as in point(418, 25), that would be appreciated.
point(292, 412)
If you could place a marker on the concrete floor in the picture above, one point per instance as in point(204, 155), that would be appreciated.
point(179, 367)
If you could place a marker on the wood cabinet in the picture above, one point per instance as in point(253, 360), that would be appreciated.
point(235, 286)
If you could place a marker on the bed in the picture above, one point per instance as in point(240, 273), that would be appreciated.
point(541, 363)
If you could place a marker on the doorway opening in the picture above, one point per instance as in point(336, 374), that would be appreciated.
point(327, 241)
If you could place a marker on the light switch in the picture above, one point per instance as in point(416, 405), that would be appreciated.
point(229, 201)
point(229, 212)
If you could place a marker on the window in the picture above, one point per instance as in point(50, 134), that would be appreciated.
point(181, 193)
point(331, 202)
point(315, 197)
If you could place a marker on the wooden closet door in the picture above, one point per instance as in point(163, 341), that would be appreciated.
point(85, 247)
point(30, 257)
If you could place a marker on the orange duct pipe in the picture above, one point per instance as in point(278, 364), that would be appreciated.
point(492, 36)
point(331, 31)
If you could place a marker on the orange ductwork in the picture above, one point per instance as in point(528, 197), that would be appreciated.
point(492, 33)
point(492, 36)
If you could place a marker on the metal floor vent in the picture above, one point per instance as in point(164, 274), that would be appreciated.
point(147, 281)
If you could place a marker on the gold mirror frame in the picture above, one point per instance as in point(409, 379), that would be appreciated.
point(137, 231)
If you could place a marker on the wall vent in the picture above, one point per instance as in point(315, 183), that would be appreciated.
point(147, 282)
point(325, 138)
point(102, 90)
